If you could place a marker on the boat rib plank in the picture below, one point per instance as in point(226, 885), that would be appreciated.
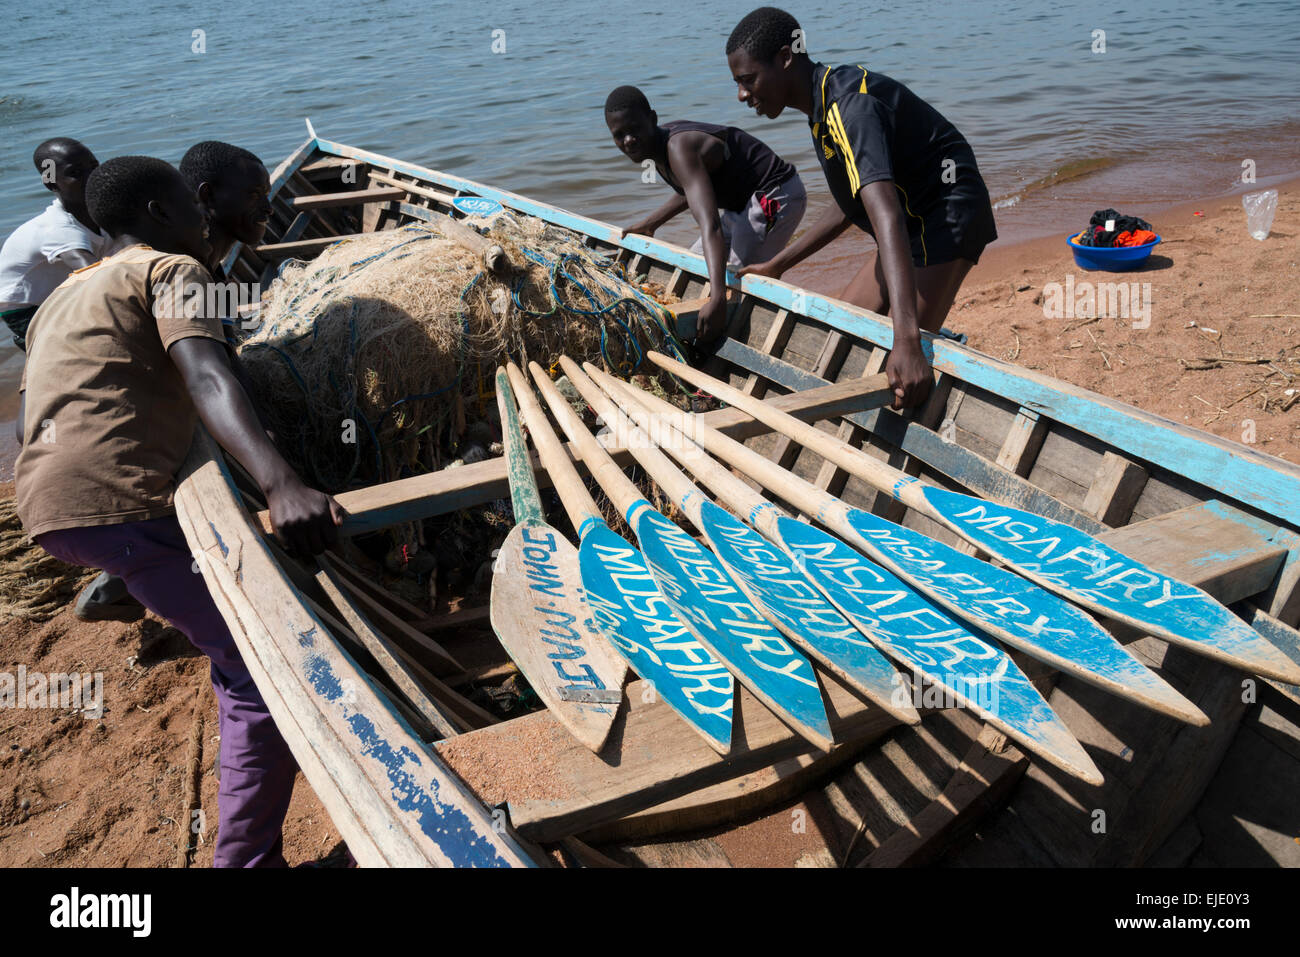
point(560, 788)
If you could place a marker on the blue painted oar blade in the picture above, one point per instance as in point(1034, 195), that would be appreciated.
point(704, 597)
point(639, 623)
point(922, 636)
point(1020, 613)
point(1094, 574)
point(796, 605)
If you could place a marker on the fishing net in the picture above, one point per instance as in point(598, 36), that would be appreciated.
point(34, 585)
point(377, 360)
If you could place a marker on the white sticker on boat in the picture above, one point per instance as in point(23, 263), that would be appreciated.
point(477, 206)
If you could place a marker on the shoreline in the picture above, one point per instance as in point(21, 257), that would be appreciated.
point(838, 262)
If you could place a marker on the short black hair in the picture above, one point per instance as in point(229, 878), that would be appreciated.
point(627, 98)
point(118, 191)
point(208, 161)
point(55, 146)
point(763, 33)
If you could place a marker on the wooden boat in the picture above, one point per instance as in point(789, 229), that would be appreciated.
point(1211, 512)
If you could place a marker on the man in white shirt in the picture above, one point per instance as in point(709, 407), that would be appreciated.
point(45, 250)
point(34, 261)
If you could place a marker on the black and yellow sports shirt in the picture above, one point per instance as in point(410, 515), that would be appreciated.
point(867, 127)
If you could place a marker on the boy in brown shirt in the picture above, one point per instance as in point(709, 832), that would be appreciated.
point(116, 379)
point(233, 188)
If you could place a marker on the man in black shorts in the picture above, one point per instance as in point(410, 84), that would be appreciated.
point(746, 199)
point(896, 168)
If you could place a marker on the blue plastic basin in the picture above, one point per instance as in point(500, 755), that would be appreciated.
point(1110, 258)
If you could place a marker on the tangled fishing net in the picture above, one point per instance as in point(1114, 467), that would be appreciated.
point(34, 585)
point(377, 360)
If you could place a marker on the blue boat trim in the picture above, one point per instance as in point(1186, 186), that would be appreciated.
point(448, 813)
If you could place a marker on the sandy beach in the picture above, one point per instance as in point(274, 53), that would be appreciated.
point(1223, 342)
point(1221, 351)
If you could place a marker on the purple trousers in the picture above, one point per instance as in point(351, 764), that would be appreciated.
point(257, 769)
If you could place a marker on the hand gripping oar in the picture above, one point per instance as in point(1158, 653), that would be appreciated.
point(965, 664)
point(766, 574)
point(701, 594)
point(971, 589)
point(1056, 556)
point(625, 601)
point(537, 608)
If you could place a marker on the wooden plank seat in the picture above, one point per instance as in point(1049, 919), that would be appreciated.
point(355, 197)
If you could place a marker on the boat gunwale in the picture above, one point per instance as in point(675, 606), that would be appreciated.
point(385, 825)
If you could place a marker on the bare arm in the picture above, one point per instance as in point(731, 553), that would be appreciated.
point(667, 211)
point(241, 376)
point(303, 518)
point(830, 224)
point(908, 369)
point(688, 167)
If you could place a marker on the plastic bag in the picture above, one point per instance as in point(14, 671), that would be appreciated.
point(1260, 208)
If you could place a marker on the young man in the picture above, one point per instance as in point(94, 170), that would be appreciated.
point(114, 384)
point(896, 168)
point(233, 188)
point(45, 250)
point(40, 255)
point(746, 199)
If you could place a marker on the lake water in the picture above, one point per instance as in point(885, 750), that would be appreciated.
point(1183, 92)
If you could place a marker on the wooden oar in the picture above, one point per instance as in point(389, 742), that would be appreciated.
point(625, 601)
point(766, 574)
point(965, 665)
point(1084, 650)
point(537, 608)
point(1056, 556)
point(701, 594)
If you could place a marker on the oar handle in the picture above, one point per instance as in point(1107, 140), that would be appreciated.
point(855, 461)
point(802, 494)
point(620, 489)
point(670, 478)
point(568, 484)
point(525, 498)
point(637, 405)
